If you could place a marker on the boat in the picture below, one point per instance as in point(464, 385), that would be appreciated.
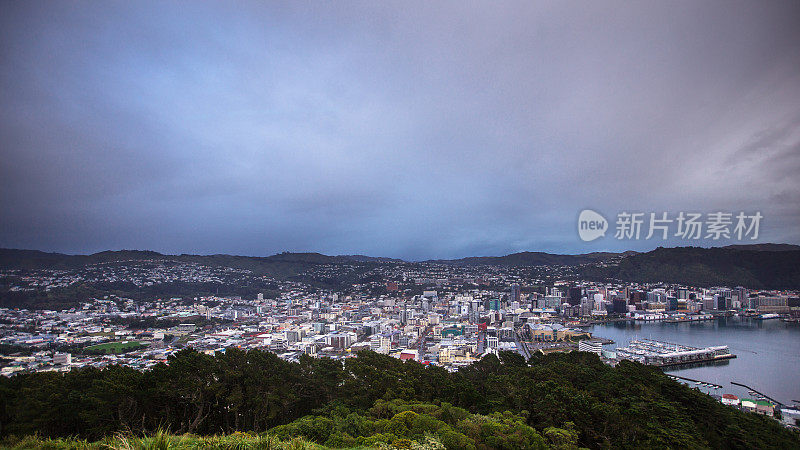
point(690, 318)
point(767, 316)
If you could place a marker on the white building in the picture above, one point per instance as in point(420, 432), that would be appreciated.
point(62, 358)
point(591, 346)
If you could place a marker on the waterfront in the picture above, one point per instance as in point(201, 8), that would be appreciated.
point(768, 351)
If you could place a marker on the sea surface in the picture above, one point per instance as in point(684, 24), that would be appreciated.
point(767, 352)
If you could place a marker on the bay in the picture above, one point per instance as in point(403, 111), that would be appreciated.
point(767, 352)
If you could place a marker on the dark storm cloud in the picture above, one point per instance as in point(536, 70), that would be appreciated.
point(409, 129)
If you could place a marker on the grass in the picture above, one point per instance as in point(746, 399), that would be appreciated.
point(115, 347)
point(162, 441)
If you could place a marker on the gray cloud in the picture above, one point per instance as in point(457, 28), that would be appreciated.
point(410, 130)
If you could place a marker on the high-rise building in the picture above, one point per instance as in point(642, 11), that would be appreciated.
point(574, 296)
point(552, 301)
point(599, 302)
point(722, 302)
point(636, 297)
point(743, 296)
point(516, 293)
point(773, 304)
point(672, 303)
point(426, 304)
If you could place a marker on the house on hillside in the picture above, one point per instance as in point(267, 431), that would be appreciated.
point(730, 399)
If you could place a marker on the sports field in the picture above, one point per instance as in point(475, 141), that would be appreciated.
point(114, 347)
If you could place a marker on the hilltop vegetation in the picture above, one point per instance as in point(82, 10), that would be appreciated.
point(729, 266)
point(522, 259)
point(558, 400)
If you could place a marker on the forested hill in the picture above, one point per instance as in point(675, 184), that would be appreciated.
point(726, 266)
point(775, 266)
point(556, 400)
point(279, 265)
point(768, 247)
point(35, 259)
point(532, 259)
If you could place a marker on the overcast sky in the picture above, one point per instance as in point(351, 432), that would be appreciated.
point(403, 129)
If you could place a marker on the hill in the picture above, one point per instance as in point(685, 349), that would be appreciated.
point(280, 265)
point(531, 259)
point(757, 268)
point(769, 247)
point(551, 401)
point(35, 259)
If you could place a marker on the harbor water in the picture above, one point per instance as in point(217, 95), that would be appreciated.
point(767, 352)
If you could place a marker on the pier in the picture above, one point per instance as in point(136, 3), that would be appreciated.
point(780, 404)
point(704, 383)
point(690, 318)
point(657, 353)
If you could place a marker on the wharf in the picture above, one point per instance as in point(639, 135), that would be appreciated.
point(662, 354)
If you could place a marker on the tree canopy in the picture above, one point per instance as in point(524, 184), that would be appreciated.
point(557, 400)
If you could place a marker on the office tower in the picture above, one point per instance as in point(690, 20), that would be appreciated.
point(574, 297)
point(516, 293)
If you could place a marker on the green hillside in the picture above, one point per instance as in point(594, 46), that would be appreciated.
point(696, 266)
point(530, 259)
point(557, 400)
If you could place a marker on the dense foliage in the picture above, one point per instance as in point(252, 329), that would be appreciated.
point(695, 266)
point(554, 399)
point(394, 422)
point(162, 441)
point(523, 259)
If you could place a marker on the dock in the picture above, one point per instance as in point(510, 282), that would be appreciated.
point(780, 404)
point(690, 319)
point(702, 383)
point(658, 353)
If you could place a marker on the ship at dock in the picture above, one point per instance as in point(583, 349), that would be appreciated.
point(767, 316)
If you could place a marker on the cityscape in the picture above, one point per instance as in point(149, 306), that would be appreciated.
point(434, 313)
point(306, 225)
